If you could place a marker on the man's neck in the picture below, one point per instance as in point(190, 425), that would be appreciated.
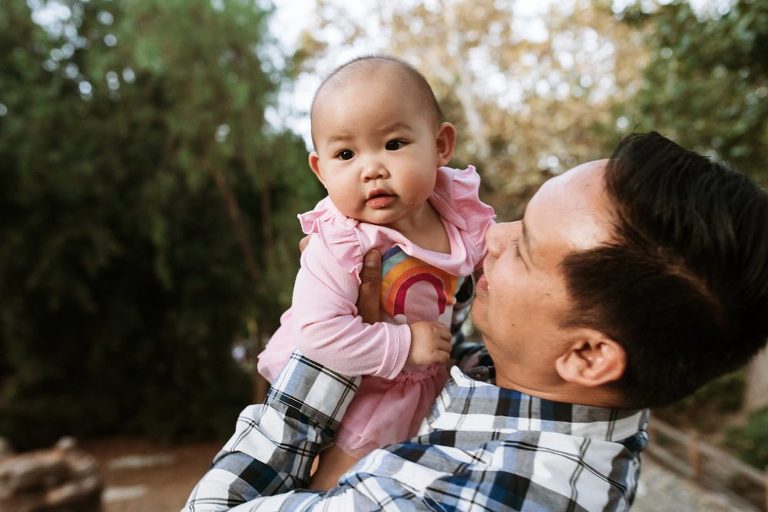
point(566, 393)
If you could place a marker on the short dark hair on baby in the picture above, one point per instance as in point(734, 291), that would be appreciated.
point(344, 71)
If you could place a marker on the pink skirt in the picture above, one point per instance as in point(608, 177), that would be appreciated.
point(389, 411)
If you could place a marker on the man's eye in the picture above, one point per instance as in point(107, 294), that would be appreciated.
point(394, 145)
point(345, 154)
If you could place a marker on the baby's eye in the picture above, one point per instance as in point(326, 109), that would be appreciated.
point(394, 145)
point(345, 154)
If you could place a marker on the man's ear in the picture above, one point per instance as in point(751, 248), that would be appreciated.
point(593, 359)
point(314, 164)
point(446, 143)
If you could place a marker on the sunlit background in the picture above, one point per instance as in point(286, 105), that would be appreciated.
point(153, 161)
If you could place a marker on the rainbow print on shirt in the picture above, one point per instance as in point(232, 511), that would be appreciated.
point(415, 290)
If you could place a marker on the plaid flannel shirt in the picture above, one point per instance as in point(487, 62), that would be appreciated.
point(482, 448)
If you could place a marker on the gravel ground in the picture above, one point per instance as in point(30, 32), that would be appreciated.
point(662, 491)
point(146, 477)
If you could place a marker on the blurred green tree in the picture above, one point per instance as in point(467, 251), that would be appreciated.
point(706, 84)
point(147, 214)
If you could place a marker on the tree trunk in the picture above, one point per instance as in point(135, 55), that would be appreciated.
point(457, 75)
point(756, 388)
point(238, 226)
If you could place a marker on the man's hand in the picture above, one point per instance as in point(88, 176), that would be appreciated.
point(368, 305)
point(368, 302)
point(430, 343)
point(304, 242)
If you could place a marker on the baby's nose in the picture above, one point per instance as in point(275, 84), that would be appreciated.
point(374, 169)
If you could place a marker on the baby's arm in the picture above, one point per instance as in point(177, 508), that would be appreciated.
point(328, 328)
point(430, 341)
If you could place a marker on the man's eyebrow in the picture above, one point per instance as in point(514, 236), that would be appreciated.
point(525, 243)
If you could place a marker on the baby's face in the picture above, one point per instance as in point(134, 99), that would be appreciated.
point(377, 147)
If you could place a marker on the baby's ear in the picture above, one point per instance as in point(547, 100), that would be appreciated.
point(446, 143)
point(314, 164)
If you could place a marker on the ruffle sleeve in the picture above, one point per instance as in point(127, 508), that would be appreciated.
point(323, 322)
point(457, 199)
point(337, 233)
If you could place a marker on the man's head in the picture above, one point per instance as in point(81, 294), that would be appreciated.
point(637, 279)
point(684, 287)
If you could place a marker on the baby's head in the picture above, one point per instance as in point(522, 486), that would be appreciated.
point(407, 80)
point(379, 137)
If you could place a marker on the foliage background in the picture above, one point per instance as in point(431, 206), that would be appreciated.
point(147, 207)
point(147, 216)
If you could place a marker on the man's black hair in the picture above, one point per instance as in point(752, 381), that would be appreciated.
point(684, 286)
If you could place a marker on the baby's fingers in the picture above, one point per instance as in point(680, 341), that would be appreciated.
point(443, 340)
point(442, 357)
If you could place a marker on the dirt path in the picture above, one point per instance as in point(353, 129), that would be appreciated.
point(142, 476)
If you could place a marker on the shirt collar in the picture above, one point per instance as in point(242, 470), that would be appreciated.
point(468, 404)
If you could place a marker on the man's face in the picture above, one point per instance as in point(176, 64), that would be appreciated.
point(522, 297)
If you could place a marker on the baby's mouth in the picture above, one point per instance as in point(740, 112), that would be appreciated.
point(379, 198)
point(377, 192)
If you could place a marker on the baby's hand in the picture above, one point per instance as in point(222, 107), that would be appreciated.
point(430, 343)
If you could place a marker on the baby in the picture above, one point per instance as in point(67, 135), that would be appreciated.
point(380, 147)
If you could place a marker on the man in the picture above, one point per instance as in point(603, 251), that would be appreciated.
point(628, 283)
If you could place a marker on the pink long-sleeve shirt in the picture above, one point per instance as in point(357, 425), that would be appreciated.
point(323, 321)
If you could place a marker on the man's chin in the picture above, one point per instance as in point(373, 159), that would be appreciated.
point(477, 315)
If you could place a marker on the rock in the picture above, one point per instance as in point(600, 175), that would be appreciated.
point(5, 448)
point(28, 472)
point(62, 479)
point(66, 444)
